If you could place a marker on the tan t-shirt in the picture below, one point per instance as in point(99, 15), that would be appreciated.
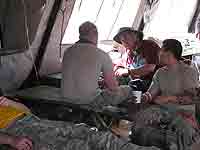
point(174, 81)
point(81, 68)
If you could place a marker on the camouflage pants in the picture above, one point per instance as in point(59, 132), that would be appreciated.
point(55, 135)
point(105, 98)
point(154, 116)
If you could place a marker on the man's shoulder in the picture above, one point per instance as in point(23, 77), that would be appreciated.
point(161, 72)
point(162, 69)
point(102, 52)
point(80, 48)
point(82, 45)
point(184, 67)
point(187, 68)
point(190, 71)
point(86, 46)
point(69, 48)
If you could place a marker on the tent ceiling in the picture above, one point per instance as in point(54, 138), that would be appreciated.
point(12, 22)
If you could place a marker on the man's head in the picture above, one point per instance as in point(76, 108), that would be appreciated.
point(171, 51)
point(88, 31)
point(129, 37)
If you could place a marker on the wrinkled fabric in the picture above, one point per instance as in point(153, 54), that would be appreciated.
point(80, 75)
point(123, 80)
point(57, 135)
point(175, 80)
point(107, 98)
point(168, 117)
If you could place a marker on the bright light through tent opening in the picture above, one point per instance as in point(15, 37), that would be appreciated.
point(172, 18)
point(108, 15)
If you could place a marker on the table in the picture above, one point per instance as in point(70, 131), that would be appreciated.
point(50, 97)
point(52, 80)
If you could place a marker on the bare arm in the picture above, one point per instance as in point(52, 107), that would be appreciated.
point(190, 84)
point(144, 70)
point(184, 100)
point(120, 69)
point(108, 73)
point(121, 72)
point(154, 89)
point(19, 143)
point(109, 77)
point(110, 81)
point(165, 99)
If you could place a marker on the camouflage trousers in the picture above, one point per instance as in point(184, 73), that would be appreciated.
point(57, 135)
point(106, 98)
point(171, 117)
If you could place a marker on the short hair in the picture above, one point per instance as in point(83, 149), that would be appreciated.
point(173, 46)
point(149, 50)
point(139, 35)
point(86, 28)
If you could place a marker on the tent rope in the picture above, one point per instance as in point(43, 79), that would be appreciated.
point(28, 39)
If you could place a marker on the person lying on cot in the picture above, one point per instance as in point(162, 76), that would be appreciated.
point(22, 130)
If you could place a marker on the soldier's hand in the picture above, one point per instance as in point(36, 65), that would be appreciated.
point(21, 143)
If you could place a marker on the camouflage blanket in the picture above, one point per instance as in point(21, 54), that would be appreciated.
point(107, 98)
point(171, 119)
point(54, 135)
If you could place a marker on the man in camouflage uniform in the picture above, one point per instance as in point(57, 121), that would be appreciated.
point(55, 135)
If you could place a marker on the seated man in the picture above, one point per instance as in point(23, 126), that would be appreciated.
point(81, 67)
point(173, 89)
point(52, 135)
point(175, 79)
point(137, 62)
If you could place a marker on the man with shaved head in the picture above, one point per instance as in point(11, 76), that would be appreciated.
point(82, 64)
point(88, 31)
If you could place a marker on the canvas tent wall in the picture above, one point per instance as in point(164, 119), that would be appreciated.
point(14, 69)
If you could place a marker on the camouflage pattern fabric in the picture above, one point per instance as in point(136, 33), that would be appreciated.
point(167, 115)
point(123, 80)
point(107, 98)
point(54, 135)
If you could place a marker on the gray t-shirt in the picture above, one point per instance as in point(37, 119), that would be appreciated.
point(174, 81)
point(81, 67)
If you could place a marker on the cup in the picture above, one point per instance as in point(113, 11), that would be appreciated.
point(138, 95)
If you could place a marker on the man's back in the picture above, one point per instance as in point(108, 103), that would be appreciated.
point(82, 65)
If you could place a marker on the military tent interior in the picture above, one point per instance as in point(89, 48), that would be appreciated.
point(35, 33)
